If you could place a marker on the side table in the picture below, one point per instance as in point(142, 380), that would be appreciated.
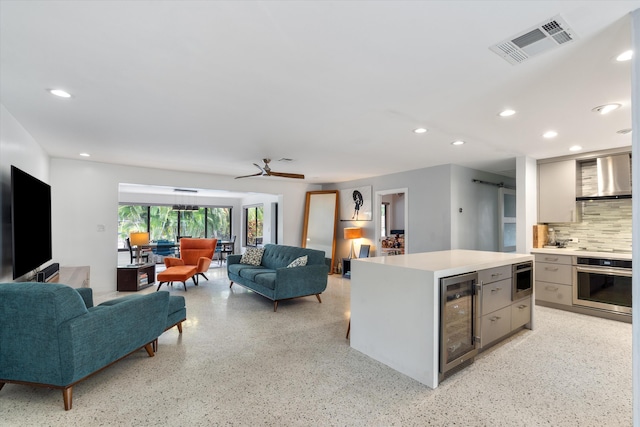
point(134, 277)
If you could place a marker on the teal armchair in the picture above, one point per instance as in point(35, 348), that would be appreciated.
point(51, 335)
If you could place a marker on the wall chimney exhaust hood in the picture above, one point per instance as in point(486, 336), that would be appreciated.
point(614, 178)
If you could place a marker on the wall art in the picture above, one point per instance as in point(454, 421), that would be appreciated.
point(355, 204)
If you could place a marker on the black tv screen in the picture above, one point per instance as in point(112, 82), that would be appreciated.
point(30, 222)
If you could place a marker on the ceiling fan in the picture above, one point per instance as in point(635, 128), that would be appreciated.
point(266, 171)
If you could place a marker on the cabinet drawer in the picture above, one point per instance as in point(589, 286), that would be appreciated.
point(496, 295)
point(554, 292)
point(495, 325)
point(554, 259)
point(554, 273)
point(520, 313)
point(494, 274)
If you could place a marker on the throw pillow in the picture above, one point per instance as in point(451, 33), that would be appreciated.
point(252, 256)
point(298, 262)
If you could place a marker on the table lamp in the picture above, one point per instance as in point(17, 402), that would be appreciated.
point(138, 239)
point(351, 233)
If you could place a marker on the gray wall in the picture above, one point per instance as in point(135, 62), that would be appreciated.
point(476, 227)
point(434, 196)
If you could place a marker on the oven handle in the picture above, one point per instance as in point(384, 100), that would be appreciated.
point(608, 271)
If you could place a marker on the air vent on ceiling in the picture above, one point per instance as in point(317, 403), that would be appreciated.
point(548, 35)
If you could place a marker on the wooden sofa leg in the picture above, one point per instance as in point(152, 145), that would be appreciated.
point(275, 306)
point(2, 385)
point(67, 396)
point(230, 284)
point(179, 325)
point(149, 348)
point(319, 300)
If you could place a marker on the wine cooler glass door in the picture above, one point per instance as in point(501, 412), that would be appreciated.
point(457, 321)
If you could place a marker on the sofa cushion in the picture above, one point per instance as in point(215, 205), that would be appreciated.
point(252, 273)
point(252, 256)
point(237, 268)
point(267, 278)
point(279, 256)
point(298, 262)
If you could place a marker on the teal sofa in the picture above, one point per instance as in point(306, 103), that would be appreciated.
point(272, 278)
point(51, 335)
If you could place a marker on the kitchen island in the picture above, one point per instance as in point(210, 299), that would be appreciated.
point(395, 305)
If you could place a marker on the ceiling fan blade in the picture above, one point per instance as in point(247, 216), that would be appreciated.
point(286, 175)
point(247, 176)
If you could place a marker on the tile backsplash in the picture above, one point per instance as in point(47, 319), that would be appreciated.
point(604, 224)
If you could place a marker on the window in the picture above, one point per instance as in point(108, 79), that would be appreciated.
point(219, 223)
point(131, 218)
point(163, 223)
point(253, 225)
point(192, 223)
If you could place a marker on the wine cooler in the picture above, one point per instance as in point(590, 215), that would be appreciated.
point(459, 322)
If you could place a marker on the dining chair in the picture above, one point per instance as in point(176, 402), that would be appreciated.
point(143, 255)
point(227, 248)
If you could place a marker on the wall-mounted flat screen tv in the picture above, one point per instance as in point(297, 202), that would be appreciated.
point(30, 222)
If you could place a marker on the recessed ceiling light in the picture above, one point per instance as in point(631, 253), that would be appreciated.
point(506, 113)
point(420, 130)
point(458, 142)
point(624, 131)
point(59, 92)
point(607, 108)
point(85, 154)
point(550, 134)
point(575, 148)
point(625, 56)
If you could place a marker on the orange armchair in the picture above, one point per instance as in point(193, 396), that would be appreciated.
point(195, 252)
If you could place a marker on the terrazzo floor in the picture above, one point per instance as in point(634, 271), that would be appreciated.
point(238, 363)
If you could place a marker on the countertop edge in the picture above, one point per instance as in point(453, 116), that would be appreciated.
point(582, 253)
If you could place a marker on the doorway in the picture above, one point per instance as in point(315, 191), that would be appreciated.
point(392, 221)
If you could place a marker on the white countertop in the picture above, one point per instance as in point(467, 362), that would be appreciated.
point(582, 253)
point(448, 263)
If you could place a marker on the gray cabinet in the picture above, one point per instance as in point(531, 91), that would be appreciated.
point(553, 279)
point(520, 313)
point(557, 191)
point(496, 304)
point(499, 314)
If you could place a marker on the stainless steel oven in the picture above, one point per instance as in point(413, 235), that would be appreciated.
point(602, 283)
point(522, 280)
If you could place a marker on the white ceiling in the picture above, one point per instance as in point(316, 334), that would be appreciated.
point(337, 86)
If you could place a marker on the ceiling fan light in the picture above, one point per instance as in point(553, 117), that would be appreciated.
point(607, 108)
